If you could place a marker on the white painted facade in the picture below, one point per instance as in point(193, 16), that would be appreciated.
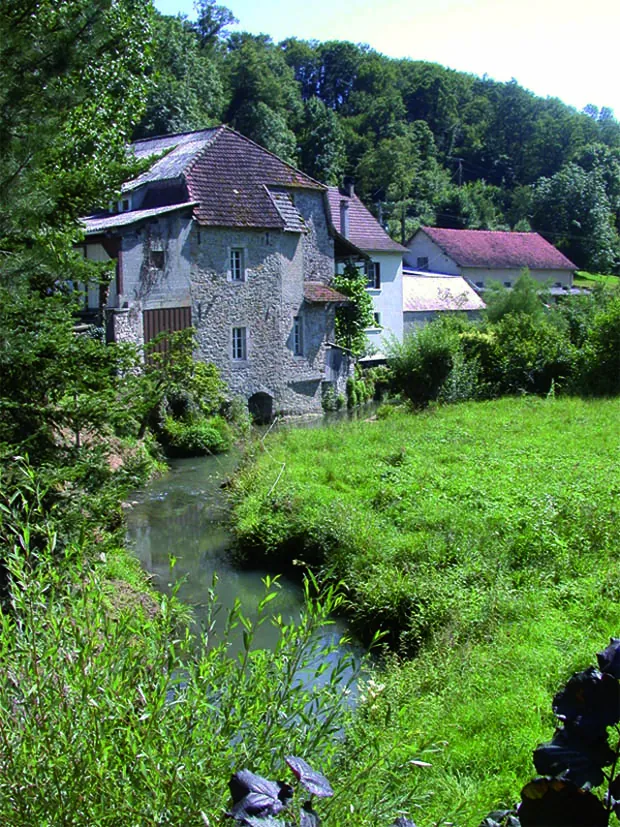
point(387, 301)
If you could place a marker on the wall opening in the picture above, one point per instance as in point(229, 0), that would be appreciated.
point(260, 406)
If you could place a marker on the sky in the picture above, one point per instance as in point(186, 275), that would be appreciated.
point(556, 48)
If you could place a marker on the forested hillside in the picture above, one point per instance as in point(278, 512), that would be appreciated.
point(425, 144)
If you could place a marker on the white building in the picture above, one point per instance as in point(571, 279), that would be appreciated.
point(484, 256)
point(384, 269)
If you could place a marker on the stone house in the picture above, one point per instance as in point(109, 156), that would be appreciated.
point(484, 256)
point(383, 267)
point(220, 234)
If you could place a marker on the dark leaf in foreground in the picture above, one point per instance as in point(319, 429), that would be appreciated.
point(501, 818)
point(314, 782)
point(590, 699)
point(263, 821)
point(254, 795)
point(569, 755)
point(614, 788)
point(308, 817)
point(552, 802)
point(609, 659)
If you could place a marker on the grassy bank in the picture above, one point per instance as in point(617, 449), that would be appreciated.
point(483, 538)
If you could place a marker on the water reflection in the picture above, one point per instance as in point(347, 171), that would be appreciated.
point(184, 515)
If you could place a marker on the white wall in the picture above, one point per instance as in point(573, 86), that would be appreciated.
point(486, 275)
point(388, 300)
point(438, 262)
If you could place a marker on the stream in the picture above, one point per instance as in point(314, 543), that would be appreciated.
point(185, 514)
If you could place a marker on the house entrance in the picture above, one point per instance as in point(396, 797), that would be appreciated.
point(260, 406)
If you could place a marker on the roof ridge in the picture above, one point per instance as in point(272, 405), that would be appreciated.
point(175, 134)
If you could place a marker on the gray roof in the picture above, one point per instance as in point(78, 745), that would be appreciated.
point(293, 221)
point(431, 292)
point(181, 150)
point(104, 221)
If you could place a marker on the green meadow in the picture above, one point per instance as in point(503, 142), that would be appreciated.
point(482, 541)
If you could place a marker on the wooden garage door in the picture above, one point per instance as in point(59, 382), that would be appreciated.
point(166, 320)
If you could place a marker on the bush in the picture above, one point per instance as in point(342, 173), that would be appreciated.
point(534, 355)
point(600, 363)
point(420, 366)
point(196, 437)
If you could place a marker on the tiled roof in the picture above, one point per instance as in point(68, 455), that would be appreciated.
point(104, 221)
point(317, 293)
point(427, 293)
point(364, 229)
point(487, 248)
point(230, 177)
point(293, 221)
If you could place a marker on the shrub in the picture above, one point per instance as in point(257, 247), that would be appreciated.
point(196, 437)
point(420, 366)
point(534, 354)
point(600, 362)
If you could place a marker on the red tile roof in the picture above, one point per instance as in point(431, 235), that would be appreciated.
point(316, 292)
point(364, 229)
point(229, 178)
point(488, 248)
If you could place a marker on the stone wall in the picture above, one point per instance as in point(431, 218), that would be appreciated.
point(318, 244)
point(265, 304)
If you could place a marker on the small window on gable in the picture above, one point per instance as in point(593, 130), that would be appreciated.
point(373, 275)
point(298, 345)
point(422, 263)
point(239, 344)
point(237, 269)
point(157, 259)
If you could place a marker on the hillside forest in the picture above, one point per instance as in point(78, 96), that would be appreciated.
point(425, 145)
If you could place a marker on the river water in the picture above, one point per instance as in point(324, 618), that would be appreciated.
point(184, 514)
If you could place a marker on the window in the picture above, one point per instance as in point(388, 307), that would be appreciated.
point(479, 284)
point(507, 284)
point(297, 337)
point(237, 273)
point(267, 239)
point(157, 259)
point(373, 275)
point(125, 204)
point(376, 319)
point(239, 344)
point(422, 263)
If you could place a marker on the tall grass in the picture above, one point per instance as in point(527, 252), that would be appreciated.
point(109, 715)
point(483, 538)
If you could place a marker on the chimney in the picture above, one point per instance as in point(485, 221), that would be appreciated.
point(348, 186)
point(344, 218)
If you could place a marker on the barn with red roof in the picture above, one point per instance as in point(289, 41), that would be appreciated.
point(485, 256)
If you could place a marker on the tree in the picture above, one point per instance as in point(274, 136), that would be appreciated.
point(353, 319)
point(573, 209)
point(212, 22)
point(321, 143)
point(72, 79)
point(185, 91)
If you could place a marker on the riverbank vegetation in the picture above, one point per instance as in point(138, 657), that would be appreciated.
point(482, 538)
